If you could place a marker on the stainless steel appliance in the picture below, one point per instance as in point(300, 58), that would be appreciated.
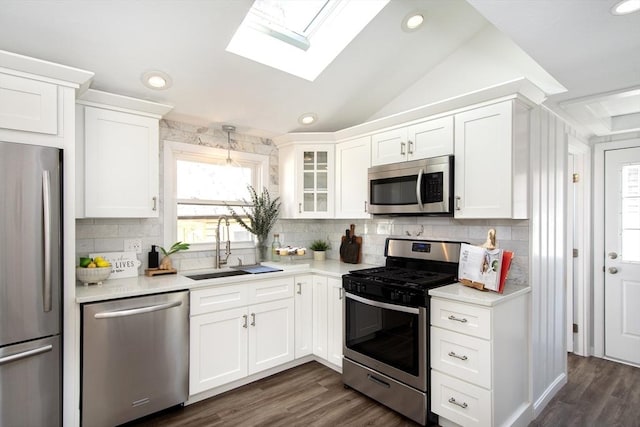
point(419, 187)
point(30, 291)
point(386, 312)
point(135, 357)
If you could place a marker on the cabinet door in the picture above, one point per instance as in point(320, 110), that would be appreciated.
point(483, 178)
point(28, 105)
point(335, 324)
point(430, 139)
point(353, 158)
point(303, 315)
point(121, 164)
point(389, 147)
point(320, 317)
point(218, 349)
point(315, 189)
point(271, 334)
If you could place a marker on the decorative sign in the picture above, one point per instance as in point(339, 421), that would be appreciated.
point(123, 264)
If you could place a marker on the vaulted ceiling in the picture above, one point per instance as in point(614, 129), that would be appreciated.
point(573, 49)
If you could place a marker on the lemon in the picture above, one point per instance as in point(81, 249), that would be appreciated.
point(92, 265)
point(102, 263)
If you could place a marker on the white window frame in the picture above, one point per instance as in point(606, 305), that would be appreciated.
point(171, 151)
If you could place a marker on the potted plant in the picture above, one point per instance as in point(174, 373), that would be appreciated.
point(263, 214)
point(319, 248)
point(165, 264)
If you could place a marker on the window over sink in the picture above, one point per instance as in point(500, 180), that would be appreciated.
point(199, 184)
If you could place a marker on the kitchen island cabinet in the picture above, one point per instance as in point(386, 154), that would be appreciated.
point(117, 157)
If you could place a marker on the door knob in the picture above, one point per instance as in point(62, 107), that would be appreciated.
point(612, 255)
point(613, 270)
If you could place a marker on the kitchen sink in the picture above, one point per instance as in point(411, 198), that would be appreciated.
point(235, 271)
point(218, 274)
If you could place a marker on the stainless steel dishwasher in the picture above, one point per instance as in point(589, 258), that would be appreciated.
point(135, 357)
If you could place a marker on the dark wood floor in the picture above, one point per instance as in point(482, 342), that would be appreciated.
point(598, 393)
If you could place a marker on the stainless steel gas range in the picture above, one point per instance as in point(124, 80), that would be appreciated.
point(386, 312)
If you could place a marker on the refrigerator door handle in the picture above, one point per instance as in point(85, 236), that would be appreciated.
point(139, 310)
point(25, 354)
point(46, 204)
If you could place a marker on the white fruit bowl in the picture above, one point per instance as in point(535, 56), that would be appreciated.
point(93, 275)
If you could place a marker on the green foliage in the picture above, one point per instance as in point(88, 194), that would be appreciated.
point(177, 246)
point(320, 245)
point(262, 212)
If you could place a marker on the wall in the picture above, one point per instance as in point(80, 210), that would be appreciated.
point(548, 163)
point(108, 235)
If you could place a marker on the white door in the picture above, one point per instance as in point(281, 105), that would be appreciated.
point(622, 255)
point(320, 316)
point(570, 246)
point(353, 158)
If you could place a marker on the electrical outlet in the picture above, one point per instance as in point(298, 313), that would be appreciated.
point(133, 245)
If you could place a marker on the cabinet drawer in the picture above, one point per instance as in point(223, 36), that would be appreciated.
point(28, 105)
point(468, 319)
point(459, 401)
point(219, 298)
point(270, 290)
point(461, 356)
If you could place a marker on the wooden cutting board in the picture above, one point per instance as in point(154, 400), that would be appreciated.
point(351, 247)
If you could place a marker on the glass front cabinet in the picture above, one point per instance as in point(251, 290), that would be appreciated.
point(307, 180)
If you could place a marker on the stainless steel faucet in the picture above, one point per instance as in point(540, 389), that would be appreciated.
point(218, 261)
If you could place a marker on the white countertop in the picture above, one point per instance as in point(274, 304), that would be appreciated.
point(462, 293)
point(144, 285)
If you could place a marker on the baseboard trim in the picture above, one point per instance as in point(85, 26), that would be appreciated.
point(548, 394)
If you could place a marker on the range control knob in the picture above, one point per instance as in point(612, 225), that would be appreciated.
point(406, 298)
point(394, 295)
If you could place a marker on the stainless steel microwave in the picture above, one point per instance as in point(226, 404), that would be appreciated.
point(418, 187)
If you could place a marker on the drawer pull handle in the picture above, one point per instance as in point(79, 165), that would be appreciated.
point(244, 317)
point(463, 405)
point(452, 317)
point(452, 354)
point(378, 381)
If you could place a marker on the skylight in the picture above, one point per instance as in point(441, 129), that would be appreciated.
point(301, 37)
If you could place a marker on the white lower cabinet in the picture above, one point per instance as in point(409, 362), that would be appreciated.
point(480, 361)
point(227, 344)
point(334, 316)
point(303, 315)
point(327, 319)
point(320, 319)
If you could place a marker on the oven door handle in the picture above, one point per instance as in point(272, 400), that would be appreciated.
point(384, 305)
point(418, 189)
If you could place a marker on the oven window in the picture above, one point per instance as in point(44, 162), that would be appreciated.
point(388, 336)
point(394, 191)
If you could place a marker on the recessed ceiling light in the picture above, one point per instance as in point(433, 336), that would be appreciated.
point(625, 7)
point(307, 118)
point(156, 80)
point(412, 21)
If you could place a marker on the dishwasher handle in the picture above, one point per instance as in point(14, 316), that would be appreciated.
point(139, 310)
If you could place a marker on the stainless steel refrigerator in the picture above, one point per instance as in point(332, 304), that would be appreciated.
point(30, 286)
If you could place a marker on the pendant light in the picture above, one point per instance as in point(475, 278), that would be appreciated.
point(228, 129)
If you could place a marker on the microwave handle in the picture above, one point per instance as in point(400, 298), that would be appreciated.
point(418, 192)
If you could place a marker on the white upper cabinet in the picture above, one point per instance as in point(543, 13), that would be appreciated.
point(353, 158)
point(28, 105)
point(491, 161)
point(422, 140)
point(117, 162)
point(307, 186)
